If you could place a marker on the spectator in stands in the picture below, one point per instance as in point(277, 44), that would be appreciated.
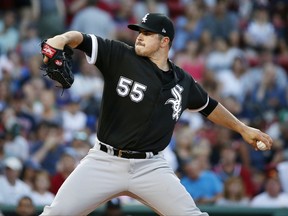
point(222, 56)
point(4, 94)
point(278, 153)
point(29, 171)
point(34, 64)
point(203, 185)
point(272, 197)
point(48, 147)
point(260, 33)
point(88, 85)
point(188, 26)
point(24, 15)
point(9, 34)
point(80, 144)
point(94, 20)
point(233, 80)
point(278, 11)
point(191, 59)
point(201, 150)
point(49, 16)
point(48, 109)
point(65, 166)
point(6, 68)
point(244, 11)
point(229, 167)
point(282, 54)
point(220, 23)
point(282, 168)
point(183, 144)
point(40, 191)
point(193, 119)
point(269, 96)
point(72, 113)
point(123, 16)
point(12, 188)
point(23, 68)
point(153, 6)
point(113, 208)
point(255, 77)
point(211, 84)
point(15, 144)
point(32, 91)
point(29, 45)
point(2, 154)
point(283, 116)
point(258, 179)
point(221, 138)
point(25, 118)
point(25, 207)
point(234, 193)
point(72, 7)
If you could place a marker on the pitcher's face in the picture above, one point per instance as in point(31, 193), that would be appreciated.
point(147, 43)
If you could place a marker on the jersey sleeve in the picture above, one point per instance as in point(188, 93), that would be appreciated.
point(89, 46)
point(199, 100)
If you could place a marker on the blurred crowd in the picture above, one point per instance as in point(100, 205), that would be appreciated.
point(236, 49)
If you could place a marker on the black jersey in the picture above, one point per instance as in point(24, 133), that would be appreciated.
point(139, 110)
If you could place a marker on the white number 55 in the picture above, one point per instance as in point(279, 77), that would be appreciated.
point(137, 90)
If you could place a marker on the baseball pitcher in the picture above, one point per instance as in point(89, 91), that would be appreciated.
point(144, 96)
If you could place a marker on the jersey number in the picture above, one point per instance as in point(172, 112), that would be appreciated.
point(137, 91)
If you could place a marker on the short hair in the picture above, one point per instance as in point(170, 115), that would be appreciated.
point(162, 36)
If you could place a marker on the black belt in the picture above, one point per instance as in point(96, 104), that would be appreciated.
point(126, 153)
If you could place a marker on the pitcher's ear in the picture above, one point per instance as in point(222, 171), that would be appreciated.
point(165, 41)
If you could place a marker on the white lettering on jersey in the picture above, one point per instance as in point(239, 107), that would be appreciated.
point(176, 101)
point(144, 19)
point(136, 92)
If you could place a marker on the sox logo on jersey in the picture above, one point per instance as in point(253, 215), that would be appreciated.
point(176, 101)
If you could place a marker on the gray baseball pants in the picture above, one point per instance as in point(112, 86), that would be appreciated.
point(100, 177)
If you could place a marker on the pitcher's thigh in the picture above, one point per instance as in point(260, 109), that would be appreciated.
point(85, 189)
point(161, 190)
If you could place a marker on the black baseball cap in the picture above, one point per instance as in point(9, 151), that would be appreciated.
point(155, 22)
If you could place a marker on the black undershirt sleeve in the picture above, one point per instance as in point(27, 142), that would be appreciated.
point(210, 107)
point(86, 45)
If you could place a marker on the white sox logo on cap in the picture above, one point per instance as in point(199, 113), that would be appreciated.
point(144, 19)
point(157, 23)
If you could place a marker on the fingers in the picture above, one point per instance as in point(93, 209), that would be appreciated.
point(266, 139)
point(252, 135)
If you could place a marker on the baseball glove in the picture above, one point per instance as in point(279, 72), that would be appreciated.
point(59, 65)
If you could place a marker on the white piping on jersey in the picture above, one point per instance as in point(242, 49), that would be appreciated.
point(94, 52)
point(201, 108)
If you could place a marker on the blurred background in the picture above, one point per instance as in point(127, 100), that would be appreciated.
point(236, 49)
